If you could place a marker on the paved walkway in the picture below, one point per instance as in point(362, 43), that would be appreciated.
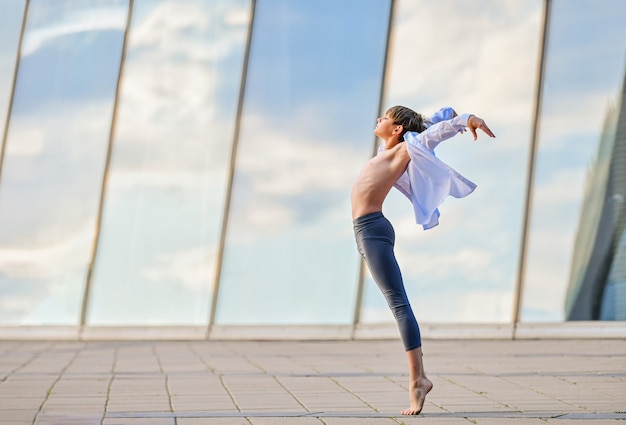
point(305, 383)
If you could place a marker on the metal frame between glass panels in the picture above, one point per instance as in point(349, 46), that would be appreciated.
point(530, 172)
point(94, 250)
point(231, 171)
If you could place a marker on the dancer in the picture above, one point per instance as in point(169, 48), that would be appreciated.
point(406, 161)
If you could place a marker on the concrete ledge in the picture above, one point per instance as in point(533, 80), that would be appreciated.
point(565, 330)
point(438, 331)
point(468, 331)
point(571, 330)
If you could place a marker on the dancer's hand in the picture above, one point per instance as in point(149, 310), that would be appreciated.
point(474, 122)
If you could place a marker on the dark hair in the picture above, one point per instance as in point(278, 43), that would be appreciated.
point(407, 118)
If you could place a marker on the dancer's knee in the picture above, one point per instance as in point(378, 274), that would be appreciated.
point(401, 310)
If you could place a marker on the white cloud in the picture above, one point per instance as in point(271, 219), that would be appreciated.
point(171, 87)
point(192, 268)
point(50, 259)
point(484, 63)
point(126, 180)
point(283, 164)
point(566, 122)
point(436, 267)
point(564, 188)
point(238, 16)
point(216, 31)
point(73, 22)
point(273, 167)
point(52, 172)
point(476, 306)
point(545, 297)
point(27, 142)
point(548, 268)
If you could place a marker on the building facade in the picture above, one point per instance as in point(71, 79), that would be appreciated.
point(189, 162)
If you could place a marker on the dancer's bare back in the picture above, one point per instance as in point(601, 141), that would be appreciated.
point(377, 178)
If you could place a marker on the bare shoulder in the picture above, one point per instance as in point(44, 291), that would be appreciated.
point(397, 150)
point(396, 157)
point(400, 152)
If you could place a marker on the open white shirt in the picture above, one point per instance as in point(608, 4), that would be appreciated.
point(427, 180)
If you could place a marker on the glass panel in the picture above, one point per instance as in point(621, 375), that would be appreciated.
point(55, 155)
point(165, 189)
point(10, 28)
point(578, 209)
point(311, 102)
point(482, 59)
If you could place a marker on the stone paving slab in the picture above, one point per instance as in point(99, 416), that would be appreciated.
point(564, 382)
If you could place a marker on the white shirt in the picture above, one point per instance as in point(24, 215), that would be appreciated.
point(427, 180)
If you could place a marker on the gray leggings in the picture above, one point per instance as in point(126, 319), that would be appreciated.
point(375, 239)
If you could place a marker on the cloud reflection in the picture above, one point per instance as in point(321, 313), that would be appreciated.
point(167, 180)
point(55, 152)
point(73, 20)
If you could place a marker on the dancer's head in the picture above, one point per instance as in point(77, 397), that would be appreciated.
point(407, 118)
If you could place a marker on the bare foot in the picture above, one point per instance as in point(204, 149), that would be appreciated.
point(417, 393)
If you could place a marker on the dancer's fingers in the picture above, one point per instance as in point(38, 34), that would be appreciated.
point(483, 126)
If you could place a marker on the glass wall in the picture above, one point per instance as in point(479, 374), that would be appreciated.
point(166, 184)
point(311, 102)
point(54, 157)
point(573, 235)
point(482, 59)
point(205, 155)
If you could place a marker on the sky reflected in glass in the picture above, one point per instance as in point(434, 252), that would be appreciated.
point(583, 81)
point(311, 102)
point(310, 106)
point(54, 158)
point(479, 57)
point(166, 187)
